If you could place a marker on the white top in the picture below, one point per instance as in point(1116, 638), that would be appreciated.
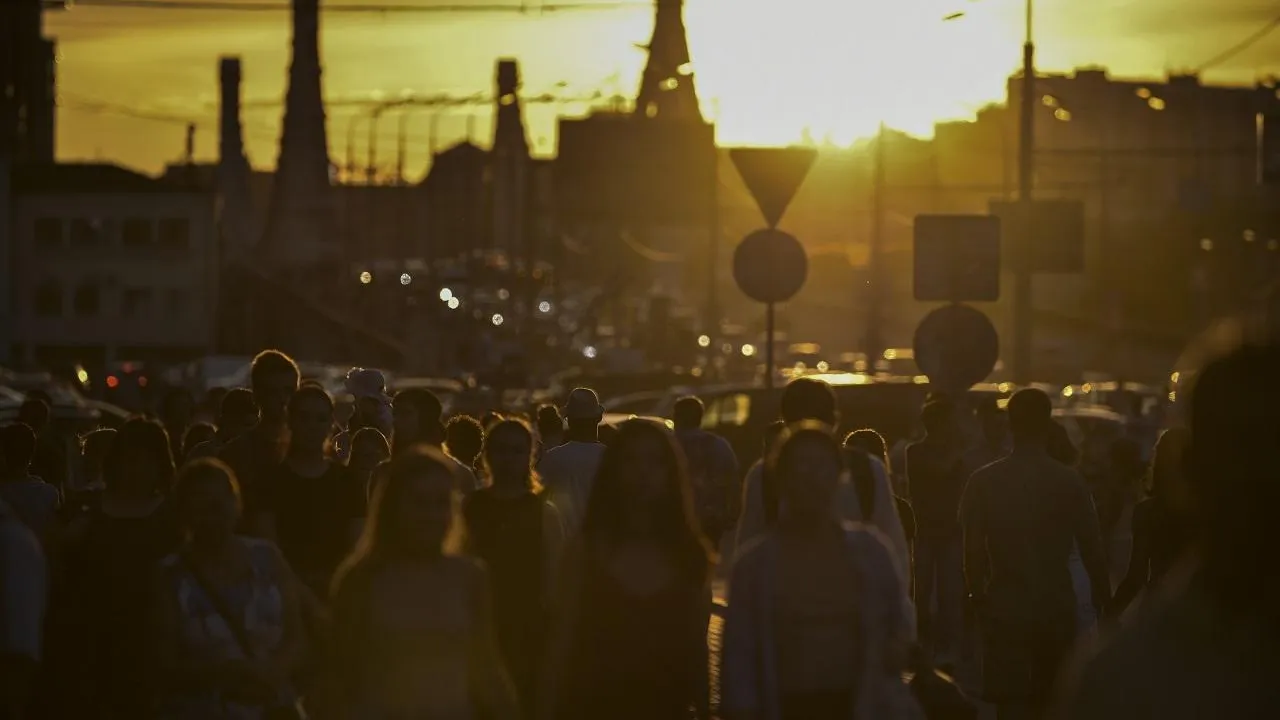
point(568, 472)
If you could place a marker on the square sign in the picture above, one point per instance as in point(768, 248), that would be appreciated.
point(957, 258)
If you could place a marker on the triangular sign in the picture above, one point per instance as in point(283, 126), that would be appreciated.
point(773, 175)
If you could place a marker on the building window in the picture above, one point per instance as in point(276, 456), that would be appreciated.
point(48, 300)
point(136, 232)
point(48, 232)
point(175, 233)
point(85, 231)
point(87, 300)
point(135, 302)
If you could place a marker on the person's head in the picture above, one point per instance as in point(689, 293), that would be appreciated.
point(993, 422)
point(369, 449)
point(1059, 445)
point(310, 420)
point(1030, 417)
point(1168, 479)
point(809, 399)
point(642, 492)
point(372, 406)
point(1232, 469)
point(94, 447)
point(140, 462)
point(414, 512)
point(687, 413)
point(583, 413)
point(870, 442)
point(34, 413)
point(206, 496)
point(938, 416)
point(417, 419)
point(464, 439)
point(17, 446)
point(197, 434)
point(213, 400)
point(550, 426)
point(176, 409)
point(508, 453)
point(274, 377)
point(807, 466)
point(237, 413)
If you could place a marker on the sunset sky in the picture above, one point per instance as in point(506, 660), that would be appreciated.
point(768, 70)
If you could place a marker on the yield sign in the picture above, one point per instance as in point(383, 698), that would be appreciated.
point(773, 175)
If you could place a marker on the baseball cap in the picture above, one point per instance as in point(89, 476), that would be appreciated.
point(583, 404)
point(365, 383)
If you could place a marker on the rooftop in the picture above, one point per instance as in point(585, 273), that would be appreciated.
point(87, 178)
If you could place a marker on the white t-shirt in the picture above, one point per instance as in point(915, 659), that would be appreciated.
point(568, 472)
point(24, 588)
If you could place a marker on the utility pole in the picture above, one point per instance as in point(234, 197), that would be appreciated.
point(874, 343)
point(1023, 312)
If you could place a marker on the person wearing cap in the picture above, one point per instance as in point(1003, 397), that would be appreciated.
point(372, 408)
point(569, 470)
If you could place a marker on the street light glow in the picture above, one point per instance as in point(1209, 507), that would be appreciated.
point(704, 341)
point(453, 303)
point(405, 278)
point(446, 295)
point(497, 319)
point(544, 307)
point(748, 350)
point(589, 352)
point(366, 277)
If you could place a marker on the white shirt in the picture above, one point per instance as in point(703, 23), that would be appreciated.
point(568, 472)
point(24, 588)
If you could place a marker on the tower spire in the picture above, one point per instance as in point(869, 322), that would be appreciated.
point(667, 88)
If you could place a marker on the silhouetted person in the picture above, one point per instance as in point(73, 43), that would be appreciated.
point(1204, 643)
point(568, 472)
point(24, 588)
point(464, 438)
point(177, 411)
point(713, 471)
point(49, 463)
point(197, 434)
point(418, 418)
point(550, 428)
point(236, 415)
point(1021, 515)
point(369, 449)
point(31, 499)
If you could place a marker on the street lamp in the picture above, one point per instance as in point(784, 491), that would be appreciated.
point(1023, 317)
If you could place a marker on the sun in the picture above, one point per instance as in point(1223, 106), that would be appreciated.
point(775, 73)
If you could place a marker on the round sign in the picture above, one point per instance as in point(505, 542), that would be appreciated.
point(956, 346)
point(770, 266)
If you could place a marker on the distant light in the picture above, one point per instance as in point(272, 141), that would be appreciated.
point(503, 294)
point(685, 69)
point(405, 278)
point(1144, 93)
point(1068, 391)
point(113, 381)
point(497, 319)
point(704, 341)
point(748, 350)
point(1174, 377)
point(544, 307)
point(1206, 244)
point(453, 303)
point(82, 375)
point(1049, 101)
point(1250, 236)
point(589, 352)
point(727, 348)
point(366, 277)
point(446, 294)
point(508, 99)
point(823, 366)
point(1155, 103)
point(670, 84)
point(1062, 115)
point(142, 381)
point(890, 354)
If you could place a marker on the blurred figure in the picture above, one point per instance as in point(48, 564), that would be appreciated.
point(517, 533)
point(210, 405)
point(49, 463)
point(227, 629)
point(1061, 448)
point(569, 471)
point(1204, 644)
point(197, 434)
point(1021, 515)
point(816, 628)
point(369, 449)
point(418, 416)
point(177, 411)
point(413, 628)
point(1116, 492)
point(94, 448)
point(1161, 523)
point(637, 575)
point(464, 439)
point(24, 588)
point(713, 471)
point(372, 408)
point(865, 451)
point(993, 439)
point(236, 415)
point(31, 499)
point(550, 429)
point(260, 449)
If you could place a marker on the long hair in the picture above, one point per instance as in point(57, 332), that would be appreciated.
point(872, 443)
point(379, 542)
point(675, 525)
point(139, 436)
point(519, 427)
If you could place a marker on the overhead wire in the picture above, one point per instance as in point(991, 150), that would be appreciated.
point(351, 8)
point(1234, 50)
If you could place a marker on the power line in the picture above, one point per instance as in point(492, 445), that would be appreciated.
point(1241, 46)
point(99, 106)
point(524, 8)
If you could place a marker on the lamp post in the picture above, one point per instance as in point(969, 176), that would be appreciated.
point(1023, 315)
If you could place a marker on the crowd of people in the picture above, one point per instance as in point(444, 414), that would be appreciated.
point(276, 560)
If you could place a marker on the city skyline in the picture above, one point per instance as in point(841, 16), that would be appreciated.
point(816, 83)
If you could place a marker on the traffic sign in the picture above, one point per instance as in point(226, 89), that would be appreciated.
point(773, 175)
point(770, 266)
point(956, 346)
point(957, 258)
point(1057, 233)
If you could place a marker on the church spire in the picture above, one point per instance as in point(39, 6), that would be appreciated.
point(667, 88)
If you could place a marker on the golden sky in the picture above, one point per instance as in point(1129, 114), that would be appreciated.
point(769, 71)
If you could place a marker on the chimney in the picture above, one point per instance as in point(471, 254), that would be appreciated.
point(509, 164)
point(237, 218)
point(300, 220)
point(230, 133)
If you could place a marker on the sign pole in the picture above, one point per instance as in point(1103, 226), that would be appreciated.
point(768, 348)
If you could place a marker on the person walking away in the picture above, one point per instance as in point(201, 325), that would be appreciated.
point(517, 533)
point(816, 627)
point(227, 628)
point(101, 608)
point(260, 449)
point(751, 519)
point(177, 412)
point(372, 408)
point(237, 414)
point(412, 619)
point(24, 588)
point(49, 463)
point(550, 429)
point(1020, 516)
point(419, 420)
point(1161, 522)
point(1115, 494)
point(33, 500)
point(1062, 449)
point(311, 506)
point(569, 471)
point(1204, 644)
point(713, 471)
point(197, 434)
point(94, 448)
point(369, 449)
point(464, 440)
point(935, 480)
point(639, 575)
point(865, 451)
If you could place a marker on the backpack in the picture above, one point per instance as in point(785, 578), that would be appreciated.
point(710, 492)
